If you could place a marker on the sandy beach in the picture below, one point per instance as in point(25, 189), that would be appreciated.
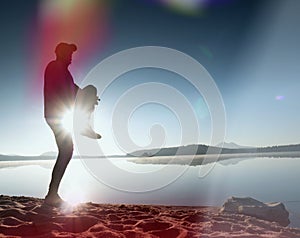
point(29, 217)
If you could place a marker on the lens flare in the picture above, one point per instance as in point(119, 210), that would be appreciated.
point(70, 115)
point(67, 121)
point(279, 97)
point(205, 50)
point(189, 7)
point(74, 199)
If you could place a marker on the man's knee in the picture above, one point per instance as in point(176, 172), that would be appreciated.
point(66, 148)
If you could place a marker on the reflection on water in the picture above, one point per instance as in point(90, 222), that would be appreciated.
point(47, 164)
point(265, 179)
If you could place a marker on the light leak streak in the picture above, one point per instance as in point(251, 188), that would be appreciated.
point(74, 21)
point(84, 23)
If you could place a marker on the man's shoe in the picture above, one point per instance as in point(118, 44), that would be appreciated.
point(54, 200)
point(90, 134)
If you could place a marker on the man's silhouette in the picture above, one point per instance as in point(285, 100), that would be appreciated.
point(59, 96)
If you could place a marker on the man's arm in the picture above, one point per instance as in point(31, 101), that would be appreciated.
point(54, 90)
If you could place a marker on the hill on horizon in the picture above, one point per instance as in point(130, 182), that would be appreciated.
point(203, 149)
point(232, 145)
point(199, 149)
point(49, 153)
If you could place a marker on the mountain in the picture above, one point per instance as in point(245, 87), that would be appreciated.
point(232, 145)
point(49, 153)
point(203, 149)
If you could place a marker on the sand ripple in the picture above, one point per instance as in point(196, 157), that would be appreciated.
point(29, 217)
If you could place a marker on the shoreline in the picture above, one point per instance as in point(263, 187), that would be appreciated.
point(222, 156)
point(194, 160)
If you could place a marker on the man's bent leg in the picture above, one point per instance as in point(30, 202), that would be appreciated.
point(87, 99)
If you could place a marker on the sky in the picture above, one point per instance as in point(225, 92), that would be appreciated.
point(250, 48)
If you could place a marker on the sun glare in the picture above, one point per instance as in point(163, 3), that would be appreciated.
point(72, 203)
point(74, 199)
point(67, 121)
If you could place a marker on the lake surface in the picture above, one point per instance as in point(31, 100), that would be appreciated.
point(110, 181)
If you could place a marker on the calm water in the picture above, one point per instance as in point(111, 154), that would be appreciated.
point(265, 179)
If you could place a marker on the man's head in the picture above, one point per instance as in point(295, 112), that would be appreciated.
point(64, 51)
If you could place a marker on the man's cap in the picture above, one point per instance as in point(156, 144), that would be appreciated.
point(65, 48)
